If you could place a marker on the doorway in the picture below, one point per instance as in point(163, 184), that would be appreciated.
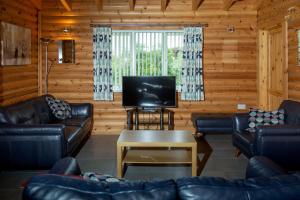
point(272, 68)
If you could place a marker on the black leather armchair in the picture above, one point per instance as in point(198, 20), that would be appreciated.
point(32, 138)
point(281, 143)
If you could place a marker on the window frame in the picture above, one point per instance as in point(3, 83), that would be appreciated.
point(133, 52)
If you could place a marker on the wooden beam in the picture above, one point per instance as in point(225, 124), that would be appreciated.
point(131, 5)
point(285, 59)
point(37, 4)
point(263, 65)
point(228, 4)
point(196, 4)
point(99, 5)
point(164, 5)
point(66, 4)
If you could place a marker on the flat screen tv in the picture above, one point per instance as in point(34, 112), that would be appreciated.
point(149, 91)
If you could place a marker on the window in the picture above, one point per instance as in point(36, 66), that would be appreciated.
point(146, 53)
point(298, 32)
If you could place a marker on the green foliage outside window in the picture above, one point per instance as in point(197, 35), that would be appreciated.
point(175, 64)
point(147, 62)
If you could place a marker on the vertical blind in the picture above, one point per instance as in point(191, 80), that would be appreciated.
point(146, 53)
point(149, 51)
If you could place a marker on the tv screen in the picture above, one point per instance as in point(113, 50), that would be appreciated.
point(149, 91)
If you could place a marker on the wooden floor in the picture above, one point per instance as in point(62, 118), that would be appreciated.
point(99, 155)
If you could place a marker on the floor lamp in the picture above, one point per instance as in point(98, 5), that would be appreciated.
point(46, 42)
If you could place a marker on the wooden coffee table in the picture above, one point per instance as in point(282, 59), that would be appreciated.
point(156, 147)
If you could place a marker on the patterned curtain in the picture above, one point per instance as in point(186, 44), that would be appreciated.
point(192, 73)
point(102, 45)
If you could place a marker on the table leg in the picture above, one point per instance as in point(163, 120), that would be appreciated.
point(119, 161)
point(194, 160)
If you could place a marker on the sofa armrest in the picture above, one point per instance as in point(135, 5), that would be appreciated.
point(240, 122)
point(22, 130)
point(277, 130)
point(53, 186)
point(280, 143)
point(81, 109)
point(260, 166)
point(66, 166)
point(31, 147)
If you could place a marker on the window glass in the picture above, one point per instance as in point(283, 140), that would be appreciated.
point(121, 57)
point(146, 53)
point(175, 46)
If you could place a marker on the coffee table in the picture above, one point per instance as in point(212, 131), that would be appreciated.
point(156, 147)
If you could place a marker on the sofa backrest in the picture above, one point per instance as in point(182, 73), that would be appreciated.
point(32, 111)
point(201, 188)
point(21, 113)
point(291, 111)
point(42, 109)
point(261, 188)
point(53, 186)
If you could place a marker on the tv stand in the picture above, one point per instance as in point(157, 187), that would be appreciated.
point(134, 121)
point(145, 109)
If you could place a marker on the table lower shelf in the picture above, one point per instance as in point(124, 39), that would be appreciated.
point(173, 156)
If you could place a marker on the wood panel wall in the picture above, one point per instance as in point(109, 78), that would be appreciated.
point(229, 58)
point(294, 68)
point(271, 14)
point(18, 83)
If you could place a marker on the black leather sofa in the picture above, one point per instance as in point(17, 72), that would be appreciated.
point(264, 180)
point(32, 138)
point(281, 143)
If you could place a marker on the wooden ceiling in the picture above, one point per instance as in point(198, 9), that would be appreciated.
point(196, 4)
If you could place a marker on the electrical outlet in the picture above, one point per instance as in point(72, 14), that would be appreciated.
point(241, 106)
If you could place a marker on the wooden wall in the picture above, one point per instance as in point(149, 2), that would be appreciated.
point(19, 83)
point(294, 68)
point(271, 14)
point(229, 58)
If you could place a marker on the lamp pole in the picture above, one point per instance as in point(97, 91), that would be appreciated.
point(46, 42)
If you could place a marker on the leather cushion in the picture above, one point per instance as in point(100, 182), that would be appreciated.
point(260, 166)
point(22, 113)
point(276, 188)
point(81, 122)
point(212, 123)
point(81, 109)
point(42, 109)
point(292, 112)
point(51, 186)
point(165, 190)
point(209, 188)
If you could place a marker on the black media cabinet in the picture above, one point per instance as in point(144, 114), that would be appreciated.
point(134, 121)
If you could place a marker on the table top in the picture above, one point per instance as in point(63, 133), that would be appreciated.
point(156, 138)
